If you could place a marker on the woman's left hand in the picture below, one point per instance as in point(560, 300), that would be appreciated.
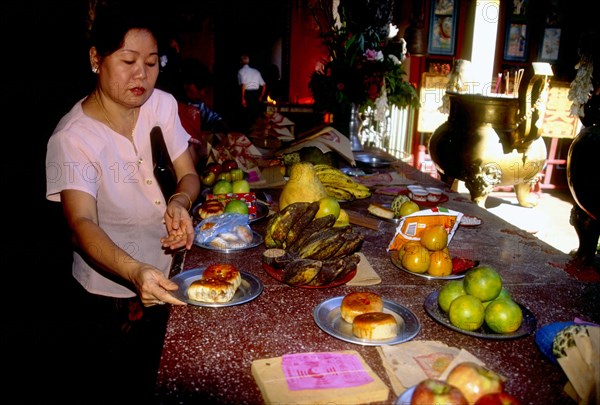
point(180, 227)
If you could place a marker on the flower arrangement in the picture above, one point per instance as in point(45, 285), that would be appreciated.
point(360, 68)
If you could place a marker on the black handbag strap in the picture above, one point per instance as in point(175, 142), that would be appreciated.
point(163, 166)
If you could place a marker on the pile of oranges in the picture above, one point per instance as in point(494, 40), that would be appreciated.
point(478, 299)
point(428, 255)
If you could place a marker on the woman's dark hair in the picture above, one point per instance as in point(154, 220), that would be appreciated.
point(112, 22)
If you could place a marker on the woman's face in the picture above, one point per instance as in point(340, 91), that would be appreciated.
point(128, 75)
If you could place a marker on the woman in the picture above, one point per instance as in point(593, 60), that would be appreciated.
point(99, 166)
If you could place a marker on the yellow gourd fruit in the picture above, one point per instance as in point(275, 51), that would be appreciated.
point(303, 185)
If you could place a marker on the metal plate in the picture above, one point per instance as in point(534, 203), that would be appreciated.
point(257, 239)
point(397, 263)
point(250, 288)
point(405, 397)
point(433, 309)
point(371, 160)
point(328, 317)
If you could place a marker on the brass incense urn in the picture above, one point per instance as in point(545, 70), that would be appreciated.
point(491, 141)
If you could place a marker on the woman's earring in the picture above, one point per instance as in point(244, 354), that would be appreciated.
point(95, 69)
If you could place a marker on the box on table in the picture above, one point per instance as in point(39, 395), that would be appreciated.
point(248, 198)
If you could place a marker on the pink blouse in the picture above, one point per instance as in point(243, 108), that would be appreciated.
point(84, 154)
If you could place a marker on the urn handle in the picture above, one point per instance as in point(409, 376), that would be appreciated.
point(533, 105)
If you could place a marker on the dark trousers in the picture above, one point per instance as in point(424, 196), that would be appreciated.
point(112, 351)
point(253, 109)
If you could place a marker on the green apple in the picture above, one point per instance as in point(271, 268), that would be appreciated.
point(236, 174)
point(240, 186)
point(222, 187)
point(237, 206)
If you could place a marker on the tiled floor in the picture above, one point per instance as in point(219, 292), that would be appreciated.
point(548, 220)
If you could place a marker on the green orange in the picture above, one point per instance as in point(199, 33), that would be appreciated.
point(451, 290)
point(503, 316)
point(466, 312)
point(483, 282)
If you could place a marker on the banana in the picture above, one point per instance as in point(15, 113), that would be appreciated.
point(323, 244)
point(300, 223)
point(338, 193)
point(328, 178)
point(357, 192)
point(329, 272)
point(352, 243)
point(281, 223)
point(315, 226)
point(301, 271)
point(350, 264)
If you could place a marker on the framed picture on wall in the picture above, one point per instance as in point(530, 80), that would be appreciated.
point(442, 31)
point(550, 45)
point(516, 42)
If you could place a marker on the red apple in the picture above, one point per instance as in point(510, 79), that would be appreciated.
point(498, 398)
point(435, 392)
point(214, 167)
point(229, 165)
point(474, 381)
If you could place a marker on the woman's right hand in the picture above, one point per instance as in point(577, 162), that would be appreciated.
point(154, 288)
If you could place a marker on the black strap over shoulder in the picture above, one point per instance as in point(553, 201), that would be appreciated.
point(163, 166)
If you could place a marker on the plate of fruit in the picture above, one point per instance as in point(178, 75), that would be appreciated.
point(429, 257)
point(480, 305)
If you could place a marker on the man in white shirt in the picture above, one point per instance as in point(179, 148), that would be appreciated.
point(253, 89)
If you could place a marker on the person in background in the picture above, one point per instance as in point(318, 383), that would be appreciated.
point(123, 230)
point(199, 120)
point(253, 87)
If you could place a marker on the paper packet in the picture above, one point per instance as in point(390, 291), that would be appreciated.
point(412, 226)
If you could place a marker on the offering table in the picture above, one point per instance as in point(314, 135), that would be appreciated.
point(208, 352)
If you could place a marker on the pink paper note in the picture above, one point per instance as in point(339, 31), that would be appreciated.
point(309, 371)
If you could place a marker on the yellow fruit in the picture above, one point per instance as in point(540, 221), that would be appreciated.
point(434, 237)
point(343, 219)
point(503, 315)
point(327, 206)
point(408, 207)
point(440, 264)
point(466, 312)
point(402, 249)
point(483, 282)
point(416, 258)
point(451, 290)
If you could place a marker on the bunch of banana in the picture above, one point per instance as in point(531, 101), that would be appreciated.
point(339, 185)
point(309, 250)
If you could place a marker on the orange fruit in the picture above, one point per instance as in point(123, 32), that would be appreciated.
point(327, 206)
point(451, 290)
point(503, 294)
point(403, 248)
point(434, 237)
point(440, 264)
point(483, 282)
point(416, 258)
point(503, 315)
point(466, 312)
